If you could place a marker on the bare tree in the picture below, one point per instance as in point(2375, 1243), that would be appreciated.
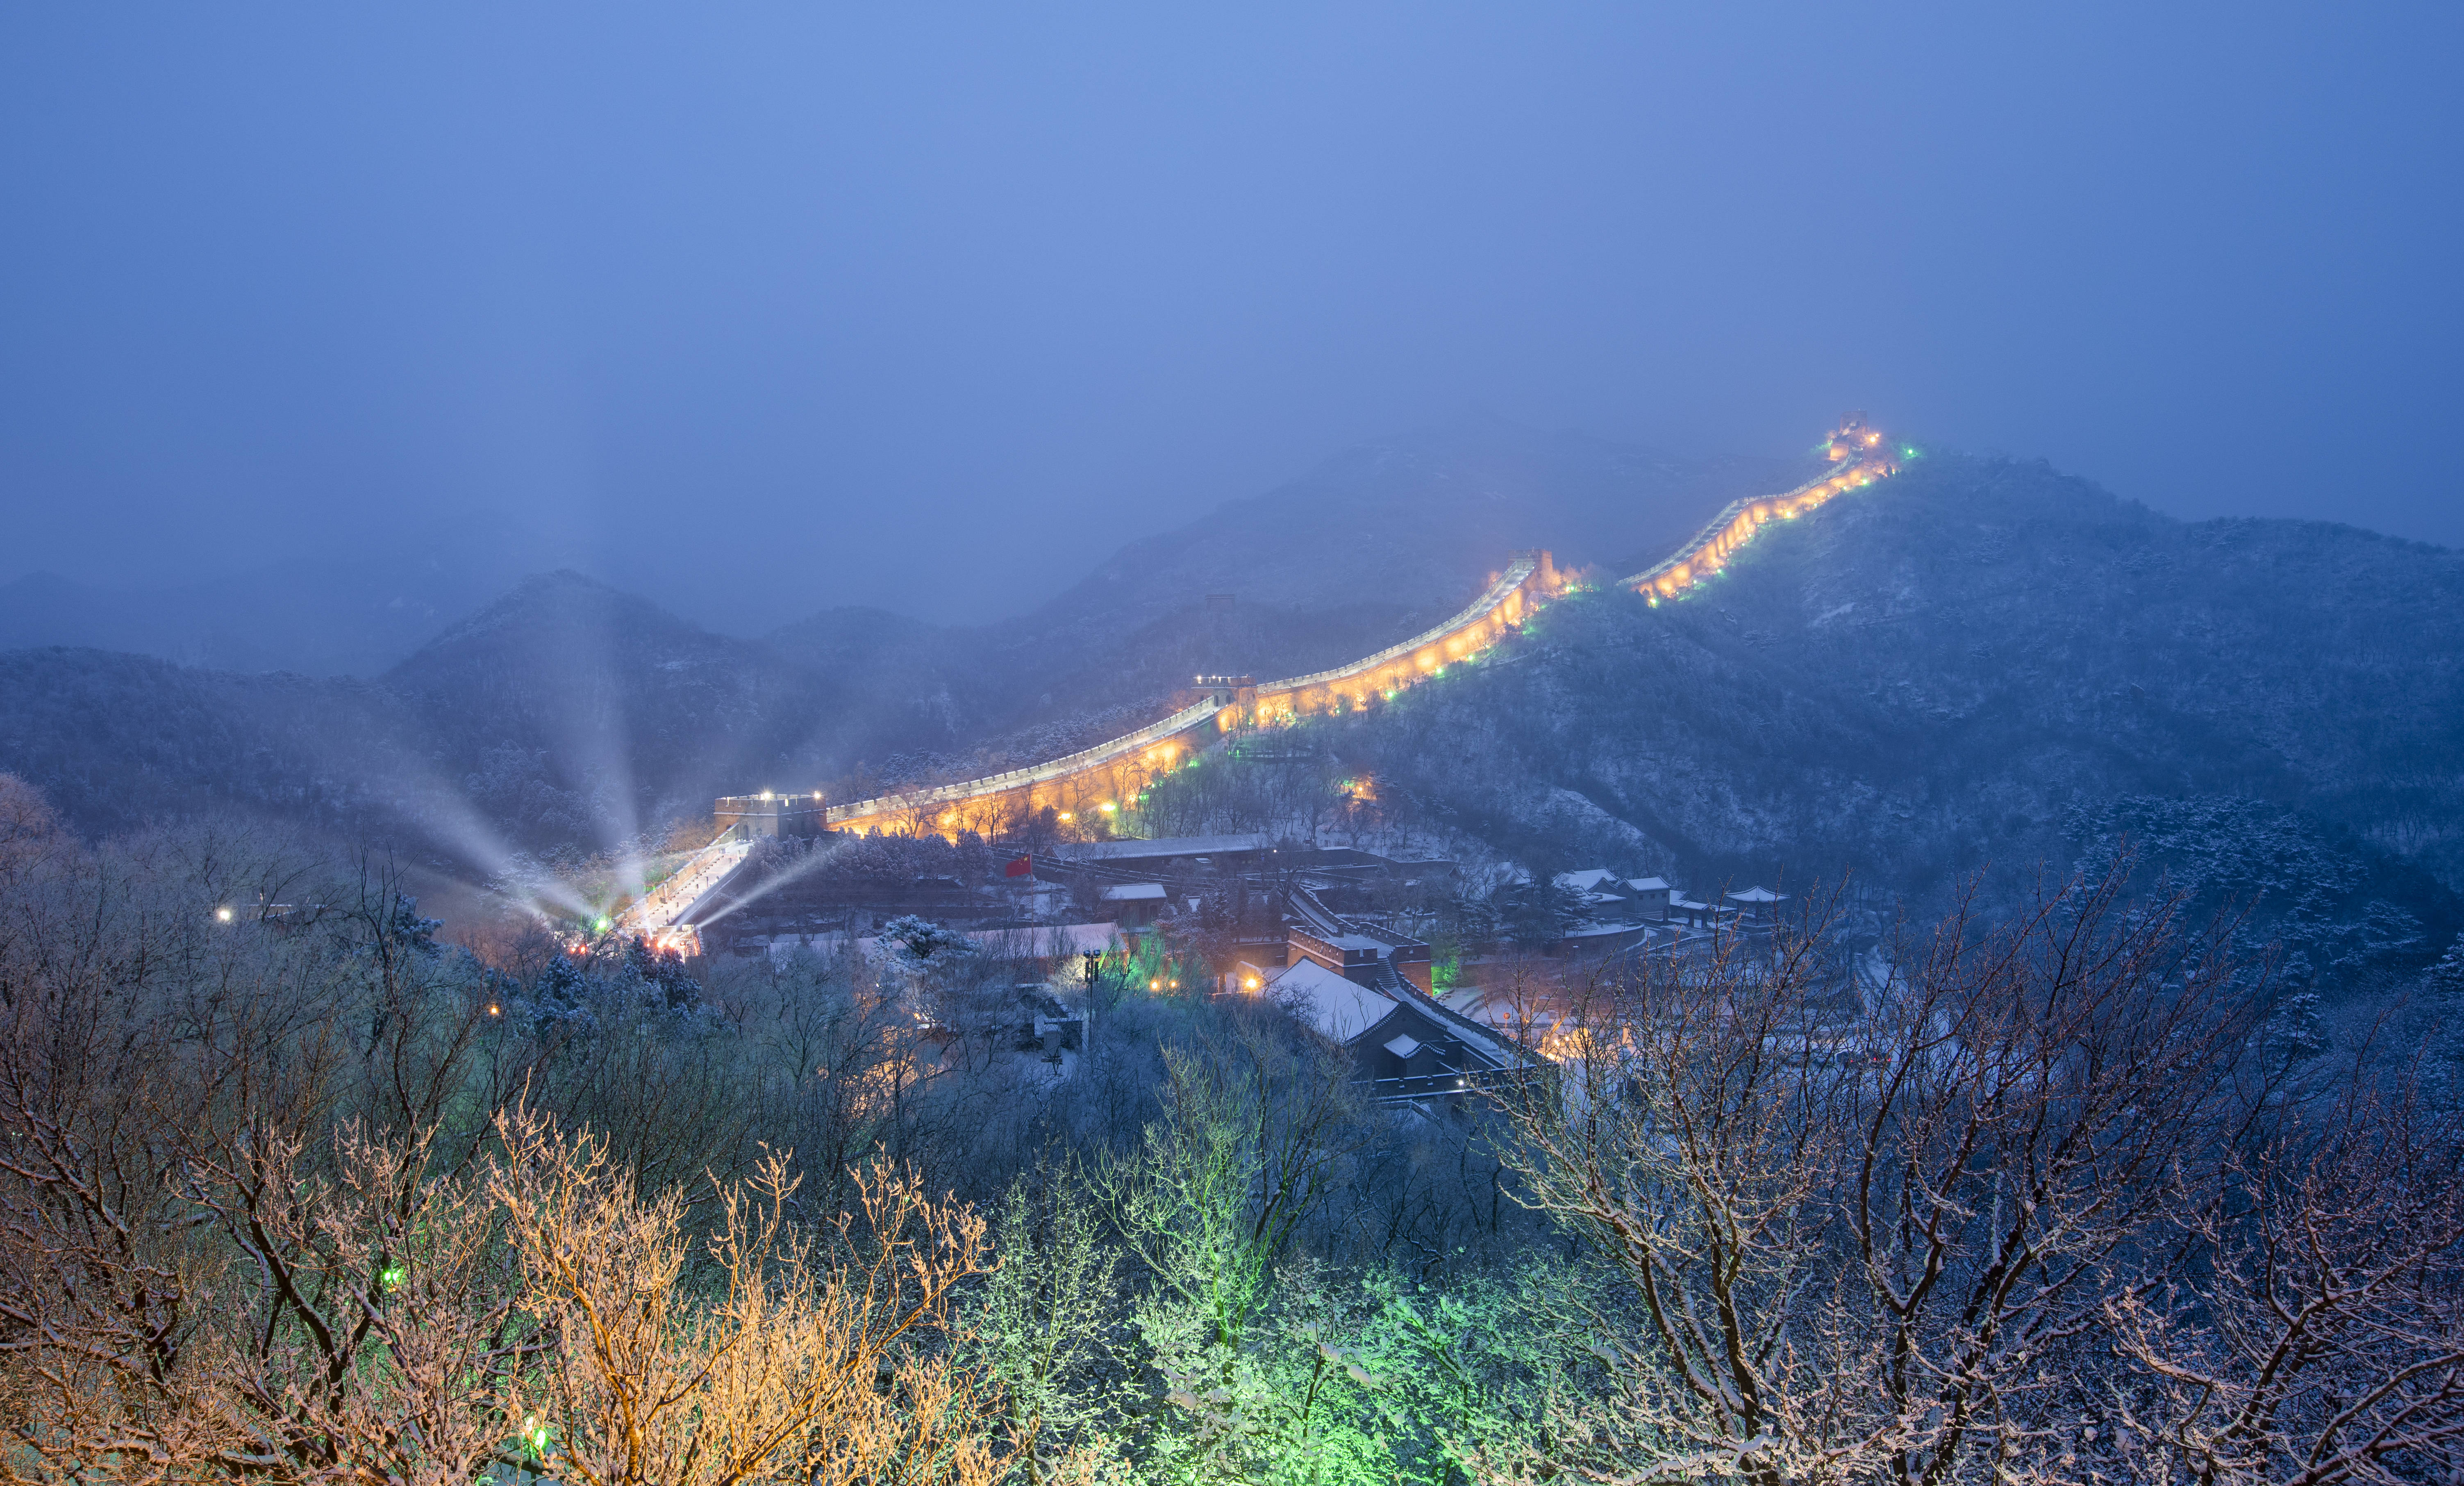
point(2319, 1338)
point(799, 1363)
point(1862, 1246)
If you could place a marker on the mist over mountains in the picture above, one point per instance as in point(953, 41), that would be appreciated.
point(1980, 661)
point(353, 599)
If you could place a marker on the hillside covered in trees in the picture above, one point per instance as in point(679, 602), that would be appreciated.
point(293, 1187)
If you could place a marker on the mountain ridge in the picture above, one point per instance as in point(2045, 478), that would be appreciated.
point(569, 714)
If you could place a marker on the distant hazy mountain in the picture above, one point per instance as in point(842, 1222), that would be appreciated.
point(1984, 661)
point(379, 595)
point(1419, 522)
point(119, 741)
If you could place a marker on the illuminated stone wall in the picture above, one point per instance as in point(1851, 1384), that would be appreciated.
point(1530, 581)
point(1105, 781)
point(1739, 520)
point(1083, 788)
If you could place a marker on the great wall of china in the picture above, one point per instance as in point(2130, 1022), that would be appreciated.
point(1096, 783)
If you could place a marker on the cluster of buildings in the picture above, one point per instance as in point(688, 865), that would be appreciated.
point(1339, 938)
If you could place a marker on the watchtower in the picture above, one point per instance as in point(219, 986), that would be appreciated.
point(1855, 436)
point(772, 814)
point(1226, 690)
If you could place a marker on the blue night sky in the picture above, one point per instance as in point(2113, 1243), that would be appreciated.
point(759, 309)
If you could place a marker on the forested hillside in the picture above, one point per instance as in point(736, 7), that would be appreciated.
point(1982, 663)
point(118, 741)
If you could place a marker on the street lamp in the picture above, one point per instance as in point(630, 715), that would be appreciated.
point(1092, 959)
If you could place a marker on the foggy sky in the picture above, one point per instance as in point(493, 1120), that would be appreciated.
point(761, 309)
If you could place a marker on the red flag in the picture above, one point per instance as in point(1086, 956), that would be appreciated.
point(1023, 867)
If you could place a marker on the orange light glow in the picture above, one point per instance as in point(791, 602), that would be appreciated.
point(1126, 766)
point(1745, 517)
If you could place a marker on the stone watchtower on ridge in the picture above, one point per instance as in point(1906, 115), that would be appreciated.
point(771, 814)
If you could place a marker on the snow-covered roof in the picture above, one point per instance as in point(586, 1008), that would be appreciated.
point(1479, 1034)
point(1756, 895)
point(1163, 846)
point(1403, 1046)
point(1649, 884)
point(1586, 880)
point(1135, 893)
point(1341, 1009)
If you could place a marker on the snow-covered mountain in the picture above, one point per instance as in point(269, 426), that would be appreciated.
point(1978, 662)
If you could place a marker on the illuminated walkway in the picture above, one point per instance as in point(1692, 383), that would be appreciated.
point(1107, 779)
point(680, 891)
point(1104, 780)
point(1738, 521)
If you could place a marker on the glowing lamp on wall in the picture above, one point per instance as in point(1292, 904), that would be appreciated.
point(223, 915)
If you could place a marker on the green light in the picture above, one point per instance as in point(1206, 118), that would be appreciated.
point(391, 1279)
point(600, 925)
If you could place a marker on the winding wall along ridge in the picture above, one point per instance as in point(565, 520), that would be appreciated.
point(1102, 777)
point(1710, 549)
point(1105, 775)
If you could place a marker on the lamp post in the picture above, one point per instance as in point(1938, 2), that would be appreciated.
point(1092, 959)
